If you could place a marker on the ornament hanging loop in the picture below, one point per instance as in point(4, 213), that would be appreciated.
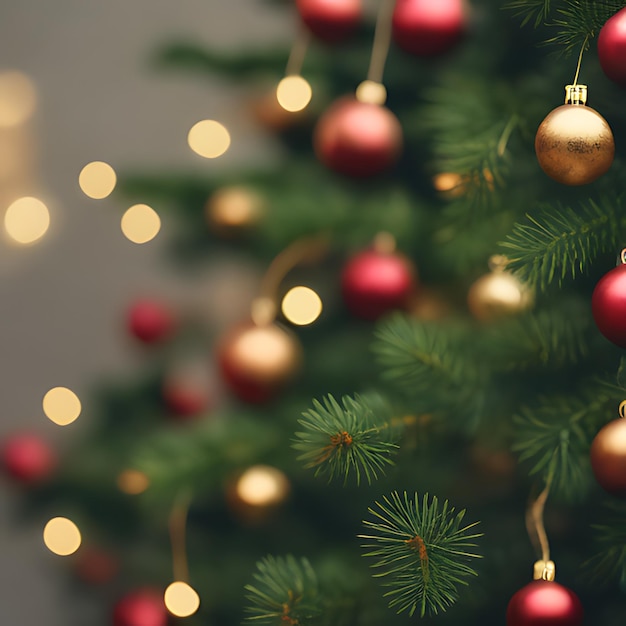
point(622, 409)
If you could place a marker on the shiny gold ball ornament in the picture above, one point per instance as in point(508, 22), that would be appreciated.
point(574, 143)
point(608, 456)
point(232, 210)
point(498, 293)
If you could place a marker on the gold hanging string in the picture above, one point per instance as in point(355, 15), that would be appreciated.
point(537, 533)
point(298, 53)
point(178, 532)
point(382, 41)
point(580, 60)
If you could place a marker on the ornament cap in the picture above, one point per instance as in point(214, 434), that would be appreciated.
point(622, 409)
point(371, 92)
point(576, 94)
point(544, 570)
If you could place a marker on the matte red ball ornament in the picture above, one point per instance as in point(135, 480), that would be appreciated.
point(612, 47)
point(257, 361)
point(330, 20)
point(150, 321)
point(608, 305)
point(544, 603)
point(185, 398)
point(140, 608)
point(357, 138)
point(608, 457)
point(28, 459)
point(374, 283)
point(427, 28)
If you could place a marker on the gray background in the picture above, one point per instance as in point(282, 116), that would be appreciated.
point(62, 300)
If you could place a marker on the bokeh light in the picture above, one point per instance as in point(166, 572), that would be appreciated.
point(18, 98)
point(181, 599)
point(209, 139)
point(27, 220)
point(97, 180)
point(371, 92)
point(61, 536)
point(262, 485)
point(132, 482)
point(294, 93)
point(301, 306)
point(61, 406)
point(141, 223)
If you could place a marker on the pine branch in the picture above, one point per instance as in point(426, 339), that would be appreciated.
point(563, 242)
point(357, 437)
point(285, 592)
point(422, 549)
point(536, 11)
point(555, 436)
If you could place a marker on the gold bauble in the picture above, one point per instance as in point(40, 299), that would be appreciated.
point(231, 210)
point(574, 145)
point(498, 294)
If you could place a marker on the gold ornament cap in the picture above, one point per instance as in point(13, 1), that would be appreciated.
point(576, 94)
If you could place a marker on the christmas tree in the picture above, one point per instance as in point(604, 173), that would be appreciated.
point(418, 414)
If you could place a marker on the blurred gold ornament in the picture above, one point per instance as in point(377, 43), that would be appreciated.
point(498, 293)
point(231, 210)
point(574, 143)
point(269, 113)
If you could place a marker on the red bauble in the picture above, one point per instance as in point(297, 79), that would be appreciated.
point(28, 459)
point(428, 28)
point(150, 321)
point(374, 283)
point(140, 608)
point(608, 457)
point(608, 305)
point(357, 138)
point(612, 47)
point(185, 398)
point(544, 603)
point(96, 566)
point(257, 361)
point(330, 20)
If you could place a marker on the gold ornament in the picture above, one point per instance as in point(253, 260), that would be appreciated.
point(498, 293)
point(574, 143)
point(231, 210)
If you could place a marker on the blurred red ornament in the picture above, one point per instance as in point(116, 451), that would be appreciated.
point(357, 138)
point(608, 457)
point(143, 607)
point(608, 305)
point(95, 566)
point(612, 47)
point(544, 603)
point(257, 361)
point(374, 283)
point(427, 28)
point(150, 321)
point(330, 20)
point(28, 459)
point(185, 398)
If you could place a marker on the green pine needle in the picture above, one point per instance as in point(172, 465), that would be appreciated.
point(561, 241)
point(536, 11)
point(357, 437)
point(422, 550)
point(285, 592)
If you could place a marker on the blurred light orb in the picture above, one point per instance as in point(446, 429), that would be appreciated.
point(61, 406)
point(18, 98)
point(181, 599)
point(209, 139)
point(27, 220)
point(294, 93)
point(132, 482)
point(97, 180)
point(262, 485)
point(371, 92)
point(62, 536)
point(141, 223)
point(301, 306)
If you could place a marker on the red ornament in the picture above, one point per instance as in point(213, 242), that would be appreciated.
point(185, 398)
point(544, 603)
point(96, 566)
point(608, 457)
point(28, 459)
point(257, 361)
point(612, 47)
point(428, 28)
point(357, 138)
point(330, 20)
point(144, 607)
point(150, 321)
point(374, 283)
point(608, 305)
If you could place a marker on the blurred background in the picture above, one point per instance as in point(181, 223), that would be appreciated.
point(86, 69)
